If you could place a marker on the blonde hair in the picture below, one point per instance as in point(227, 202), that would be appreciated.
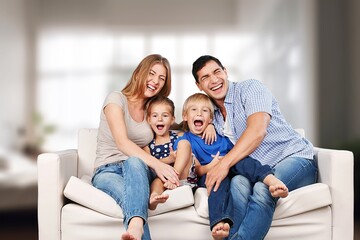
point(136, 85)
point(198, 97)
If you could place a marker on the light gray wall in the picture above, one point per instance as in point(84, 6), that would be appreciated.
point(13, 72)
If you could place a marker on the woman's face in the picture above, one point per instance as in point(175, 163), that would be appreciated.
point(156, 80)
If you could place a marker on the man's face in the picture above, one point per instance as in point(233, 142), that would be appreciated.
point(213, 80)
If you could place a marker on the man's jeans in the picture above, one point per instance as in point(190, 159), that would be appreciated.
point(253, 204)
point(128, 182)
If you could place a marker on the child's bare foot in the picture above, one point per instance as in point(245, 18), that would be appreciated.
point(276, 187)
point(220, 231)
point(169, 185)
point(155, 199)
point(279, 191)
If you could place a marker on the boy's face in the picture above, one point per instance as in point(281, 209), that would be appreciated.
point(198, 117)
point(160, 118)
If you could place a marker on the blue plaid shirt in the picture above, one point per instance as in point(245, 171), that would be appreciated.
point(281, 141)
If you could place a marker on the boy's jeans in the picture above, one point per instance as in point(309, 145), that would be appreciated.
point(253, 204)
point(128, 182)
point(220, 202)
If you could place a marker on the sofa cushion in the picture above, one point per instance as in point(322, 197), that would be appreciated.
point(301, 200)
point(84, 193)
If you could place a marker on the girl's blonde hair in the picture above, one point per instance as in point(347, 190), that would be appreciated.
point(198, 97)
point(136, 85)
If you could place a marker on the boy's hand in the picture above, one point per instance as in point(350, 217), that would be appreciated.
point(209, 134)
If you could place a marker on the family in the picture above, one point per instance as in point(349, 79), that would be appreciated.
point(235, 142)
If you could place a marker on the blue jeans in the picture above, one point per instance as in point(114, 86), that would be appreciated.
point(128, 183)
point(253, 204)
point(220, 202)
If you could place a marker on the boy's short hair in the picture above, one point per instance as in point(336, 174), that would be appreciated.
point(160, 100)
point(198, 97)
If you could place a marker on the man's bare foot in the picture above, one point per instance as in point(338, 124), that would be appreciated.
point(155, 199)
point(170, 185)
point(220, 231)
point(279, 191)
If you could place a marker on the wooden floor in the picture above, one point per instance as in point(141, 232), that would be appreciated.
point(23, 226)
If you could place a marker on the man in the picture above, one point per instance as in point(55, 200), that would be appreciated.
point(248, 114)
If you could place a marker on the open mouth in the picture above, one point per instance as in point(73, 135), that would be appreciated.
point(160, 127)
point(198, 124)
point(152, 88)
point(217, 87)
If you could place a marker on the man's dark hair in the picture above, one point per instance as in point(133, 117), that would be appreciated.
point(200, 63)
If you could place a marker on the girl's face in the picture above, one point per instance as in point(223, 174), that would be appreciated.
point(198, 117)
point(160, 118)
point(156, 80)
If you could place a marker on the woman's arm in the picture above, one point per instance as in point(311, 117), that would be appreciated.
point(115, 117)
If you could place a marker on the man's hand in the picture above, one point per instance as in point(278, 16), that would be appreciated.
point(216, 174)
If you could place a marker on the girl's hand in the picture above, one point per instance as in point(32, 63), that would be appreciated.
point(166, 173)
point(209, 134)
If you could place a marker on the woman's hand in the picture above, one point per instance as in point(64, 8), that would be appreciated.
point(209, 134)
point(166, 172)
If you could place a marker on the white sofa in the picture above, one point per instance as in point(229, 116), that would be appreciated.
point(69, 208)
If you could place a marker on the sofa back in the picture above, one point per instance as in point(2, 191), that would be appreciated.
point(87, 140)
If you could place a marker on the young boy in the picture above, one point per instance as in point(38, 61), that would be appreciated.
point(198, 112)
point(160, 116)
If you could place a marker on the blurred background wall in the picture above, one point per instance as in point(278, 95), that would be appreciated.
point(59, 59)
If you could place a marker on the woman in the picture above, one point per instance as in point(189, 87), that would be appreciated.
point(122, 167)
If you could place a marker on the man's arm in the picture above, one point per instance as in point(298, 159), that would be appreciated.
point(252, 137)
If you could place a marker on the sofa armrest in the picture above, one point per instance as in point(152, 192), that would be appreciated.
point(54, 171)
point(336, 169)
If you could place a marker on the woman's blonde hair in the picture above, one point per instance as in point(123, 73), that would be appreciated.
point(136, 85)
point(198, 97)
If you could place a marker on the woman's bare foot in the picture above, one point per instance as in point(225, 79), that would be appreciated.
point(155, 199)
point(279, 191)
point(170, 185)
point(127, 236)
point(135, 229)
point(220, 231)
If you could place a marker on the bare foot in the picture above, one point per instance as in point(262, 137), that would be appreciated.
point(127, 236)
point(169, 185)
point(135, 229)
point(279, 191)
point(220, 231)
point(155, 199)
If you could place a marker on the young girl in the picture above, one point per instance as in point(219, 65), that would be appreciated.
point(198, 112)
point(122, 167)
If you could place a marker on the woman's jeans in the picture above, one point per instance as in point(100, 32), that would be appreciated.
point(253, 204)
point(128, 182)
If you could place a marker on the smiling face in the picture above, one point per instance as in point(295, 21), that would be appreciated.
point(160, 118)
point(213, 80)
point(198, 113)
point(156, 80)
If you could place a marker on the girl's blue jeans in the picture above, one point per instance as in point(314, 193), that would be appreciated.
point(128, 182)
point(253, 204)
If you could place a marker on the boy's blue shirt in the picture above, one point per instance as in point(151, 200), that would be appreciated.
point(202, 151)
